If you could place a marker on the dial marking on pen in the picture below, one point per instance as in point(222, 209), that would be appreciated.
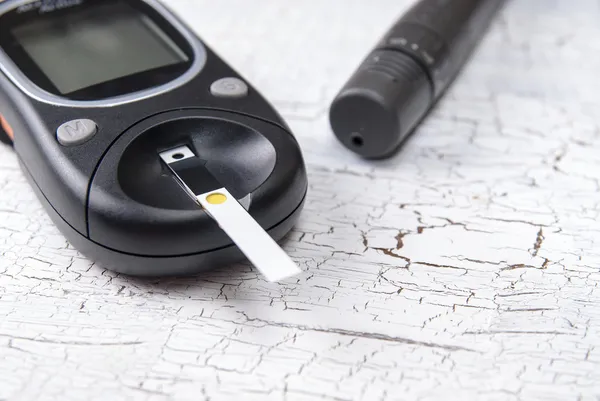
point(428, 59)
point(398, 41)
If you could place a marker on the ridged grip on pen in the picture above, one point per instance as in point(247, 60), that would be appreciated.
point(440, 34)
point(388, 95)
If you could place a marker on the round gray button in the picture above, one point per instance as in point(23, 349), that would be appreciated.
point(76, 132)
point(229, 87)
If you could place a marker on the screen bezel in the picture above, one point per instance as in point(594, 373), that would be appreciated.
point(112, 89)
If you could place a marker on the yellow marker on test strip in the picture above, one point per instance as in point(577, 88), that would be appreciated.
point(216, 199)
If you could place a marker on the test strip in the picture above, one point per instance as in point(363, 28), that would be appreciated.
point(258, 246)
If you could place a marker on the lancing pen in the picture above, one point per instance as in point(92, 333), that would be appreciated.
point(407, 72)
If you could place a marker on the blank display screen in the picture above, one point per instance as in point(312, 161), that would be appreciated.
point(96, 45)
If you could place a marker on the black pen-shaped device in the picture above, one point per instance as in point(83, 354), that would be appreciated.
point(409, 69)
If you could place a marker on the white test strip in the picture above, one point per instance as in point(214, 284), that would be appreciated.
point(256, 244)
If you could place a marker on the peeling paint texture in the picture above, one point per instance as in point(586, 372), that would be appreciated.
point(465, 267)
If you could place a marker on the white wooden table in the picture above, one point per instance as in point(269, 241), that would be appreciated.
point(466, 267)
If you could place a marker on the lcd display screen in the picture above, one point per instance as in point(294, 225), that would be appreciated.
point(96, 44)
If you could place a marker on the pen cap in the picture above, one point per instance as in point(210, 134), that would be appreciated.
point(381, 103)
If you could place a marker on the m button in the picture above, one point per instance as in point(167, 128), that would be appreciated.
point(76, 132)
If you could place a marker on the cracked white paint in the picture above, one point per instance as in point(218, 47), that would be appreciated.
point(466, 267)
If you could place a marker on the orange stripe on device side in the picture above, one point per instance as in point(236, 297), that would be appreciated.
point(7, 128)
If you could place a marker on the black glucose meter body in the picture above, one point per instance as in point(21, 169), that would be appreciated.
point(92, 91)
